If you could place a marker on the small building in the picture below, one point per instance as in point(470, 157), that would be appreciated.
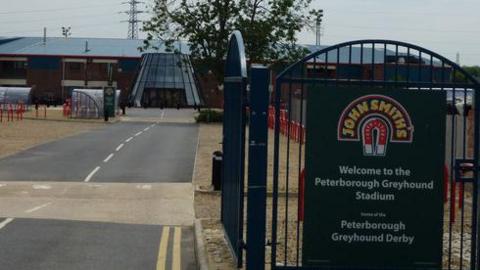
point(56, 66)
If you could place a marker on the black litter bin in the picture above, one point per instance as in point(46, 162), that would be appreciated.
point(217, 160)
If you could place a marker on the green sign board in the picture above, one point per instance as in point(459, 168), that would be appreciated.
point(109, 101)
point(374, 174)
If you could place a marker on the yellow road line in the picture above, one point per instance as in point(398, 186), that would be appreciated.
point(177, 255)
point(162, 251)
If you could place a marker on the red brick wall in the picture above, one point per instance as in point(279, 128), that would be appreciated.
point(48, 82)
point(45, 82)
point(125, 81)
point(212, 95)
point(74, 71)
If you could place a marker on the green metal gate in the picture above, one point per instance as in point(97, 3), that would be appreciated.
point(384, 66)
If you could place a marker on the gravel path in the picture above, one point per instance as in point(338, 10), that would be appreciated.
point(20, 135)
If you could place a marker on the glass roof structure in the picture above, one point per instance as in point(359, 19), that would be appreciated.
point(166, 71)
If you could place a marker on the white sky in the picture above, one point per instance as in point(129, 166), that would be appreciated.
point(444, 26)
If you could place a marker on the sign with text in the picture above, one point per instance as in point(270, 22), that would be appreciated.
point(374, 178)
point(109, 101)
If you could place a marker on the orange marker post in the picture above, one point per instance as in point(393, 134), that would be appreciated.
point(10, 112)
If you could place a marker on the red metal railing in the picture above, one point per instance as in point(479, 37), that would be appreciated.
point(296, 132)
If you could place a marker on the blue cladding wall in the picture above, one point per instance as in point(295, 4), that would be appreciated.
point(353, 72)
point(415, 74)
point(129, 65)
point(44, 63)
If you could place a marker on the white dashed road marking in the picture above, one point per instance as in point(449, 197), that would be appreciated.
point(89, 177)
point(108, 158)
point(146, 187)
point(119, 147)
point(41, 187)
point(37, 208)
point(5, 222)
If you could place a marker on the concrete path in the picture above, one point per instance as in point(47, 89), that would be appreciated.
point(115, 198)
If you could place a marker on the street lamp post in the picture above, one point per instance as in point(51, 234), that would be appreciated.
point(318, 26)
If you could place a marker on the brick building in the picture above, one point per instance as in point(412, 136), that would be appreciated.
point(55, 66)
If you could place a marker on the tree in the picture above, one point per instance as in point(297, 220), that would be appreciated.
point(473, 70)
point(269, 28)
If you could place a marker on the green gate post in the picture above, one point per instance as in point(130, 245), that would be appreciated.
point(257, 168)
point(109, 102)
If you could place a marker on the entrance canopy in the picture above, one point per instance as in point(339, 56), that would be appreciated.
point(164, 74)
point(15, 95)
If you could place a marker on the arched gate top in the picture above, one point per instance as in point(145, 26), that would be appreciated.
point(236, 64)
point(373, 51)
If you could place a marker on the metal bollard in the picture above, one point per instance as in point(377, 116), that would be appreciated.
point(217, 160)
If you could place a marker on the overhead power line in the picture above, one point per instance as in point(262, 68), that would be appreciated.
point(402, 29)
point(38, 31)
point(57, 18)
point(50, 10)
point(398, 13)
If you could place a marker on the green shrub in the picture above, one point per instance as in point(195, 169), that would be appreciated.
point(209, 116)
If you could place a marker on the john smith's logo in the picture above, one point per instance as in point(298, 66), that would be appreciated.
point(375, 120)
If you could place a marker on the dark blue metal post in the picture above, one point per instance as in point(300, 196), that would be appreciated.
point(475, 256)
point(234, 123)
point(257, 167)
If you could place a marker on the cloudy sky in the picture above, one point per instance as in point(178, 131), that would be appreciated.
point(445, 26)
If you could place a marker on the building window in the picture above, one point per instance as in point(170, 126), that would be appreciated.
point(75, 66)
point(13, 69)
point(19, 65)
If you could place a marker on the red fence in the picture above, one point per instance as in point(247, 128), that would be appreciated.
point(67, 108)
point(12, 110)
point(296, 132)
